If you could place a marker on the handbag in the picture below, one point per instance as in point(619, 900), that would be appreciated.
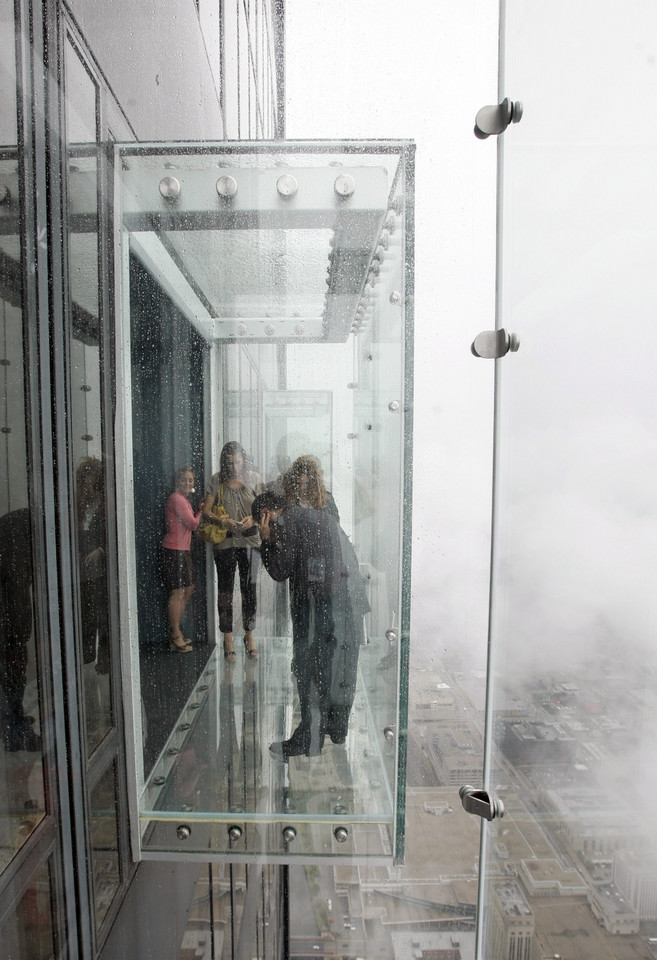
point(214, 532)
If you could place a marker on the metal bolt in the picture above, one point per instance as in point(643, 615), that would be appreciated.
point(341, 834)
point(389, 733)
point(393, 406)
point(289, 833)
point(234, 833)
point(270, 329)
point(391, 635)
point(184, 832)
point(344, 185)
point(170, 188)
point(287, 185)
point(227, 186)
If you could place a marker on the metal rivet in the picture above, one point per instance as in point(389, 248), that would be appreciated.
point(270, 329)
point(393, 406)
point(344, 185)
point(391, 635)
point(186, 807)
point(172, 751)
point(287, 186)
point(395, 297)
point(339, 809)
point(241, 330)
point(184, 832)
point(85, 388)
point(299, 329)
point(289, 833)
point(227, 186)
point(341, 834)
point(87, 437)
point(158, 781)
point(184, 726)
point(170, 188)
point(389, 733)
point(234, 833)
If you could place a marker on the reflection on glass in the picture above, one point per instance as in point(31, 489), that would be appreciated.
point(104, 843)
point(30, 933)
point(86, 406)
point(22, 798)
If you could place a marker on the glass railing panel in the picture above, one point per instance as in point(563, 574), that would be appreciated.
point(265, 343)
point(571, 708)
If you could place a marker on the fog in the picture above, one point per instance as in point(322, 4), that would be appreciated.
point(366, 82)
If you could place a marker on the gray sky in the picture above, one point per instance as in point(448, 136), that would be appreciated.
point(421, 71)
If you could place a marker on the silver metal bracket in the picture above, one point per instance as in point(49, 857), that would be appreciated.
point(493, 344)
point(494, 119)
point(480, 803)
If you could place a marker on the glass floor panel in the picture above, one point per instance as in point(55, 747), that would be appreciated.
point(216, 770)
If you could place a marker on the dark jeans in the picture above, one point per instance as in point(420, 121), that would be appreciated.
point(247, 561)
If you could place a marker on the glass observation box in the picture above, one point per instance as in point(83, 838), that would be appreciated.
point(263, 339)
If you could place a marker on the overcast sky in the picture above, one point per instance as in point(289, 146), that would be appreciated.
point(421, 71)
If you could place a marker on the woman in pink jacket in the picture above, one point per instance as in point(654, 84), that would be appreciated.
point(177, 558)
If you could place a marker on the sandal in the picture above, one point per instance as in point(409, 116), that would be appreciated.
point(251, 652)
point(178, 644)
point(229, 655)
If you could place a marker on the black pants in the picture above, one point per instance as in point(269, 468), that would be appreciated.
point(247, 561)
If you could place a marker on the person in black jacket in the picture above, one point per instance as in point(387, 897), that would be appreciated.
point(307, 545)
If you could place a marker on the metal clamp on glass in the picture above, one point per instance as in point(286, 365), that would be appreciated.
point(480, 803)
point(494, 119)
point(493, 344)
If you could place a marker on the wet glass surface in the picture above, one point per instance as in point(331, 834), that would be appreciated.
point(263, 301)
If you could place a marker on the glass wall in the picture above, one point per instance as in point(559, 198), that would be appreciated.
point(571, 869)
point(287, 276)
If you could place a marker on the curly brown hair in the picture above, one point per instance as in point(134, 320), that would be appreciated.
point(314, 491)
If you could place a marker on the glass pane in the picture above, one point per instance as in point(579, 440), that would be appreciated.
point(22, 799)
point(263, 301)
point(571, 708)
point(104, 843)
point(30, 933)
point(86, 404)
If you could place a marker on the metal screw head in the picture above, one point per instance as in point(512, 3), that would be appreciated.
point(389, 733)
point(391, 635)
point(289, 833)
point(287, 185)
point(344, 185)
point(234, 833)
point(226, 186)
point(170, 188)
point(341, 834)
point(184, 832)
point(393, 406)
point(395, 297)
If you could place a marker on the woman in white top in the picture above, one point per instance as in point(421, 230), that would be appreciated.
point(235, 486)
